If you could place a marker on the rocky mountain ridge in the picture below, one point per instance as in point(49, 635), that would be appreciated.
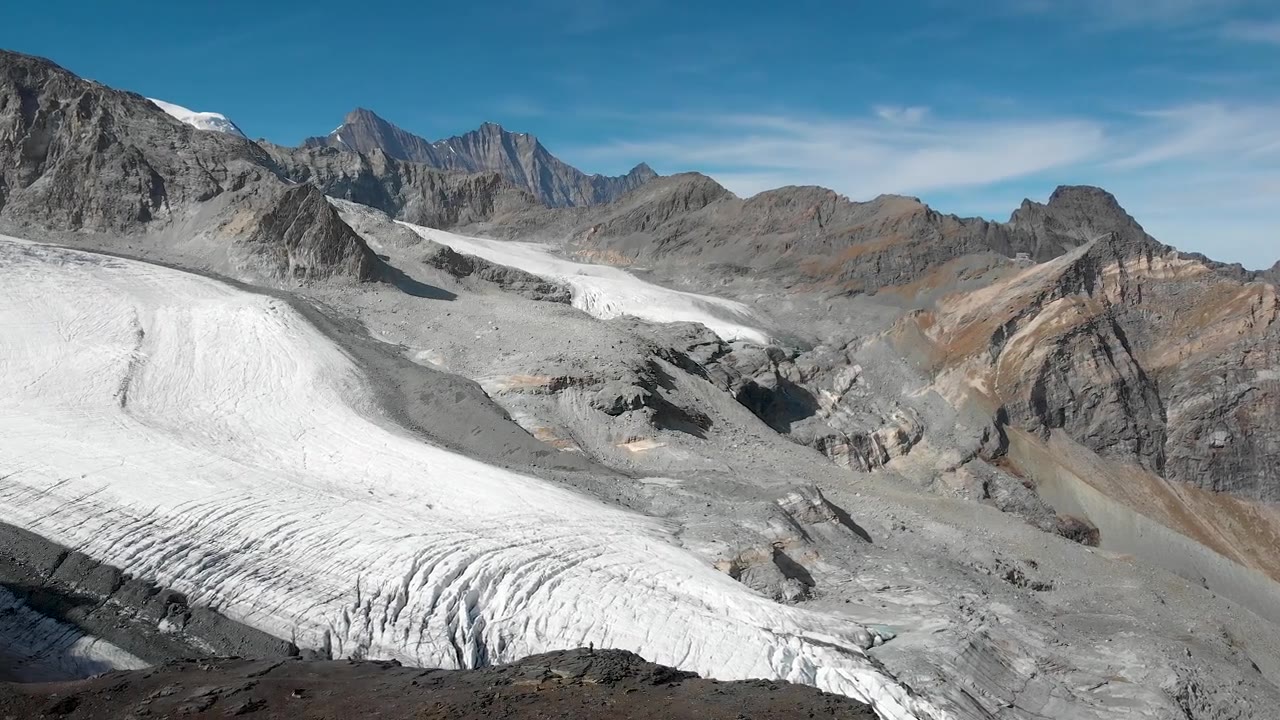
point(811, 237)
point(518, 157)
point(410, 191)
point(78, 158)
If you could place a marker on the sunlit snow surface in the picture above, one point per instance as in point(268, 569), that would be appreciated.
point(199, 120)
point(609, 292)
point(213, 441)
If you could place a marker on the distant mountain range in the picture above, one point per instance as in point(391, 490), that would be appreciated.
point(518, 157)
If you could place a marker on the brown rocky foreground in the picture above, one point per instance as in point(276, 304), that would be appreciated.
point(580, 684)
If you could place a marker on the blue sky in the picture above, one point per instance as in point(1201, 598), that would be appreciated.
point(1173, 105)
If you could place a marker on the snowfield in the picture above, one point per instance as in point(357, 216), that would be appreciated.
point(213, 441)
point(609, 292)
point(199, 120)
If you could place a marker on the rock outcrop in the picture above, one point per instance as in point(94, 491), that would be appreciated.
point(301, 237)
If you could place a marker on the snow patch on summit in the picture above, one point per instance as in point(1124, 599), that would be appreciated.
point(216, 122)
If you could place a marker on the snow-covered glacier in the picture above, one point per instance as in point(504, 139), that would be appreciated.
point(212, 440)
point(199, 120)
point(608, 292)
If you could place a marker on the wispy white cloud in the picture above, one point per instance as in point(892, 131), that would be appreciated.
point(1267, 33)
point(585, 17)
point(896, 113)
point(1205, 177)
point(1123, 14)
point(1208, 131)
point(519, 106)
point(1182, 170)
point(900, 150)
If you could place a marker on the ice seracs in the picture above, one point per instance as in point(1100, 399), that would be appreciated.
point(609, 292)
point(200, 120)
point(213, 441)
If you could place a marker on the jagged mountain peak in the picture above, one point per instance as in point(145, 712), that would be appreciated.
point(362, 113)
point(1082, 193)
point(364, 117)
point(1074, 215)
point(491, 131)
point(1080, 202)
point(643, 169)
point(519, 157)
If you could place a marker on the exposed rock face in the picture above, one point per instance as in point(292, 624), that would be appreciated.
point(1088, 383)
point(817, 397)
point(1073, 216)
point(300, 236)
point(78, 156)
point(406, 190)
point(517, 157)
point(1136, 352)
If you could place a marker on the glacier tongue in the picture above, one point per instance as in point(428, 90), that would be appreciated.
point(608, 292)
point(212, 440)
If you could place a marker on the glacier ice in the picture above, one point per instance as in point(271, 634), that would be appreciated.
point(608, 292)
point(213, 441)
